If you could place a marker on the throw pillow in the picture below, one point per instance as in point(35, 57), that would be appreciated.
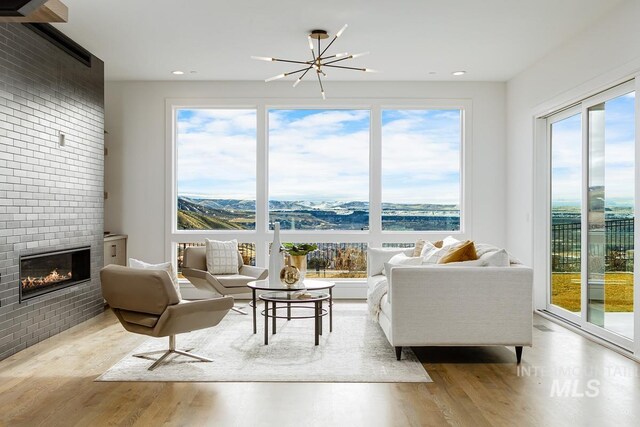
point(449, 240)
point(417, 249)
point(427, 249)
point(498, 258)
point(464, 252)
point(163, 266)
point(433, 254)
point(402, 259)
point(222, 257)
point(438, 243)
point(376, 257)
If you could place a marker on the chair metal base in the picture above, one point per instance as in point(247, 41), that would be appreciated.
point(239, 310)
point(166, 353)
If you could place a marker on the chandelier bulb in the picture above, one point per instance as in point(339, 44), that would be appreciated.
point(310, 43)
point(296, 82)
point(323, 95)
point(343, 54)
point(279, 76)
point(369, 70)
point(262, 58)
point(357, 55)
point(339, 33)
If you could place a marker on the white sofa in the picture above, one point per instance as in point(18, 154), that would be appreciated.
point(440, 305)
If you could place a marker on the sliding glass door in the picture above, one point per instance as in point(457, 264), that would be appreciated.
point(592, 214)
point(565, 134)
point(611, 142)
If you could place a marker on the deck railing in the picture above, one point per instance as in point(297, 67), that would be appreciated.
point(618, 248)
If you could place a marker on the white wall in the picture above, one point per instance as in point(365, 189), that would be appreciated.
point(605, 53)
point(135, 167)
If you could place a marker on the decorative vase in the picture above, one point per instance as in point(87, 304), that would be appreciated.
point(276, 261)
point(289, 275)
point(300, 261)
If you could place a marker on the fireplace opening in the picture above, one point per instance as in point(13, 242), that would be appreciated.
point(50, 271)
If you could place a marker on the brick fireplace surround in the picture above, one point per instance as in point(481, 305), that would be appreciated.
point(51, 195)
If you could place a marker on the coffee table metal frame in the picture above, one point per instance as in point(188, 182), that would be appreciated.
point(310, 285)
point(274, 298)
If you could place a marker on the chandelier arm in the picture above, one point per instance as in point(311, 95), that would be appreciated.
point(298, 71)
point(291, 61)
point(327, 47)
point(346, 68)
point(305, 73)
point(338, 60)
point(320, 81)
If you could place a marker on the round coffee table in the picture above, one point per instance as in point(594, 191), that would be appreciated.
point(309, 285)
point(295, 300)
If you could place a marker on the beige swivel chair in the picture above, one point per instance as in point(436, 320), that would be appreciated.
point(145, 302)
point(194, 268)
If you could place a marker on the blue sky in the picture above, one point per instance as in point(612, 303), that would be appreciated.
point(619, 133)
point(320, 155)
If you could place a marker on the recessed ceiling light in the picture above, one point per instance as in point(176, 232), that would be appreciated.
point(177, 72)
point(459, 73)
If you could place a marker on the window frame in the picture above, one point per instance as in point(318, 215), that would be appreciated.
point(262, 236)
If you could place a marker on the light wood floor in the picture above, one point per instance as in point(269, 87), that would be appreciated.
point(52, 384)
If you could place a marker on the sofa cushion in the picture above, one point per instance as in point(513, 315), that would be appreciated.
point(378, 256)
point(498, 258)
point(464, 252)
point(417, 249)
point(402, 259)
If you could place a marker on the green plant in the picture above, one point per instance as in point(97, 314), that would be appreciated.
point(300, 249)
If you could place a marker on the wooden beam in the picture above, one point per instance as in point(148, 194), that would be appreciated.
point(51, 11)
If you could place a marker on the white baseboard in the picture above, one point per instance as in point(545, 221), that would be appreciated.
point(343, 290)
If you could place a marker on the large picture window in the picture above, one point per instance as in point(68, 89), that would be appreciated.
point(421, 153)
point(216, 169)
point(344, 176)
point(319, 169)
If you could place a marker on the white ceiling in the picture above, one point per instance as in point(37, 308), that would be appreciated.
point(493, 40)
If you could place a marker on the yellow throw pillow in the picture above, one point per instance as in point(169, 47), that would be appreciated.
point(417, 250)
point(464, 252)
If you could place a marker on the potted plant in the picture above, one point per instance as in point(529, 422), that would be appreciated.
point(298, 254)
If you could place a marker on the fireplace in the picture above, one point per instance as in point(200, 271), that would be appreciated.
point(50, 271)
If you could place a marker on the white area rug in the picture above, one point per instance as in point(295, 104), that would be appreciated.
point(356, 351)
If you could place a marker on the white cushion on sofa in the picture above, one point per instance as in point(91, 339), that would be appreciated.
point(378, 256)
point(499, 258)
point(402, 259)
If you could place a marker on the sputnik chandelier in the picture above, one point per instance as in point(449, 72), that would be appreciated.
point(319, 61)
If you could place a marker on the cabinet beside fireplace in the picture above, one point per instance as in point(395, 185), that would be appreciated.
point(115, 249)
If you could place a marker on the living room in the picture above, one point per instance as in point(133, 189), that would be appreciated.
point(497, 138)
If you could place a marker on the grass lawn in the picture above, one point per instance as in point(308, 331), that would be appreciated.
point(618, 291)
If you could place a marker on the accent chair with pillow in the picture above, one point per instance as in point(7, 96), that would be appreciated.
point(145, 302)
point(218, 267)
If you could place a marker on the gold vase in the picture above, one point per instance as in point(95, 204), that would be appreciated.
point(289, 275)
point(300, 261)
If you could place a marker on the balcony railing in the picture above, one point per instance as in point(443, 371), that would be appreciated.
point(618, 248)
